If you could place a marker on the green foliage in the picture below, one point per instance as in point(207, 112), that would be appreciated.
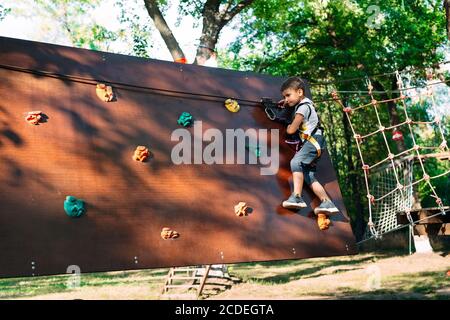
point(70, 19)
point(329, 41)
point(3, 12)
point(137, 29)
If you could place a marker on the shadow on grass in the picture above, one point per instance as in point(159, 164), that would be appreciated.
point(422, 286)
point(306, 272)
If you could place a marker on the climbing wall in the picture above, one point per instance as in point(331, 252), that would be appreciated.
point(84, 148)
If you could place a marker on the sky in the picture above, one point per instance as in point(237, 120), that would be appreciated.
point(33, 28)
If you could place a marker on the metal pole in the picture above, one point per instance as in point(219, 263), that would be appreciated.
point(410, 230)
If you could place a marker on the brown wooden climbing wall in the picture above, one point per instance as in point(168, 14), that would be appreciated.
point(85, 150)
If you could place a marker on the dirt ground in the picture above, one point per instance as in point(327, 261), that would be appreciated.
point(363, 276)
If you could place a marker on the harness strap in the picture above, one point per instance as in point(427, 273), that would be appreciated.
point(313, 142)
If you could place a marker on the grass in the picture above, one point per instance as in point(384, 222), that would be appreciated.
point(36, 286)
point(332, 277)
point(280, 272)
point(425, 285)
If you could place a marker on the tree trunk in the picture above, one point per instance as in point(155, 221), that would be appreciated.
point(331, 131)
point(214, 19)
point(164, 30)
point(212, 24)
point(447, 14)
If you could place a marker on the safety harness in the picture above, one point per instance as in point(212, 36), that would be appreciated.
point(310, 137)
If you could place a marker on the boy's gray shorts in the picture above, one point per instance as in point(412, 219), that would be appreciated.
point(306, 158)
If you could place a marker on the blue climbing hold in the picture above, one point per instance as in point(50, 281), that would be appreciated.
point(186, 119)
point(74, 207)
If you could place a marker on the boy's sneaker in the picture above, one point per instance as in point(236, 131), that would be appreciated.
point(294, 202)
point(326, 206)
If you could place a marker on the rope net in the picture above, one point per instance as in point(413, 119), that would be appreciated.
point(390, 182)
point(384, 212)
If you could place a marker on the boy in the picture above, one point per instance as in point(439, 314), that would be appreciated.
point(303, 164)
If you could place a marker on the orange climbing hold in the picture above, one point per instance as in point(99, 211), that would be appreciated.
point(167, 233)
point(181, 60)
point(323, 221)
point(241, 209)
point(34, 117)
point(141, 154)
point(104, 92)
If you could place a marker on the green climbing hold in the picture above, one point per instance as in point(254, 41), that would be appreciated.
point(74, 207)
point(185, 119)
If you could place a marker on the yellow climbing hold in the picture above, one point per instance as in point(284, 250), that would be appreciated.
point(232, 105)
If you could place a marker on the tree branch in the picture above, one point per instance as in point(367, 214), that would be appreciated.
point(164, 29)
point(228, 15)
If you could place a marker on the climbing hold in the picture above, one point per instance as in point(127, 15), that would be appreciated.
point(232, 105)
point(185, 119)
point(323, 221)
point(104, 92)
point(167, 233)
point(241, 209)
point(397, 135)
point(74, 207)
point(141, 154)
point(181, 60)
point(34, 117)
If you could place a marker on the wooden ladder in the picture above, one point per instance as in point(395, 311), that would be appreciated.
point(188, 278)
